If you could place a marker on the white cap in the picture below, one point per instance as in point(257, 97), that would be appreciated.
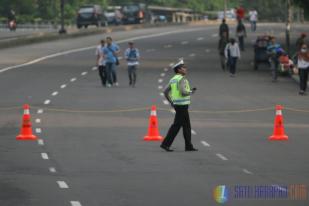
point(180, 62)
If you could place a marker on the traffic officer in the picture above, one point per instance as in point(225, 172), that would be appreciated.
point(178, 92)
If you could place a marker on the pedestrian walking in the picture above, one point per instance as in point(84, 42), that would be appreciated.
point(241, 34)
point(224, 28)
point(303, 68)
point(232, 54)
point(132, 56)
point(223, 41)
point(273, 50)
point(111, 51)
point(300, 41)
point(178, 92)
point(100, 61)
point(253, 16)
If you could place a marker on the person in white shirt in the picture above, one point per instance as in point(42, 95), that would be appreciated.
point(100, 62)
point(253, 19)
point(132, 56)
point(303, 68)
point(232, 53)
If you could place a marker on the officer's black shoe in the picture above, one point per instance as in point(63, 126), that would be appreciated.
point(166, 148)
point(192, 149)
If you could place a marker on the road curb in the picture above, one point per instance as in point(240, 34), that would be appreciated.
point(45, 37)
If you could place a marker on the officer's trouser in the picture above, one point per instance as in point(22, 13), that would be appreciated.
point(182, 119)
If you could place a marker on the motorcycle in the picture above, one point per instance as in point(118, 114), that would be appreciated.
point(12, 25)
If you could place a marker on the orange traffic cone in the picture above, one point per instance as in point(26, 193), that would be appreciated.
point(153, 130)
point(278, 126)
point(26, 130)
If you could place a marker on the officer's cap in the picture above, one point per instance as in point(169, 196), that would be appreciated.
point(179, 64)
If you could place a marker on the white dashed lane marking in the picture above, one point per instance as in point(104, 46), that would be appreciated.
point(171, 64)
point(62, 184)
point(47, 101)
point(52, 170)
point(41, 142)
point(161, 94)
point(55, 93)
point(94, 68)
point(63, 86)
point(75, 203)
point(38, 130)
point(221, 157)
point(40, 111)
point(200, 39)
point(214, 35)
point(166, 69)
point(247, 171)
point(205, 144)
point(160, 80)
point(168, 46)
point(184, 42)
point(193, 132)
point(37, 121)
point(192, 55)
point(150, 50)
point(160, 87)
point(162, 74)
point(44, 156)
point(165, 102)
point(84, 73)
point(73, 79)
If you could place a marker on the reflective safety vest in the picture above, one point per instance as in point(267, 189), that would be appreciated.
point(176, 96)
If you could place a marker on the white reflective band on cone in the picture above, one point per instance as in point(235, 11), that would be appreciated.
point(279, 112)
point(153, 113)
point(26, 111)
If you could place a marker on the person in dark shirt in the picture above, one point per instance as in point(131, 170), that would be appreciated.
point(221, 46)
point(224, 28)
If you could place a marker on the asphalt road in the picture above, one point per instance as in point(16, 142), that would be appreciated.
point(91, 151)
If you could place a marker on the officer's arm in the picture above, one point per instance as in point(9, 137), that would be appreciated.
point(182, 88)
point(167, 93)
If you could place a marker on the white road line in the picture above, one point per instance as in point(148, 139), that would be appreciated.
point(84, 73)
point(40, 111)
point(94, 68)
point(205, 144)
point(160, 80)
point(192, 55)
point(52, 170)
point(247, 171)
point(62, 184)
point(162, 74)
point(214, 35)
point(47, 101)
point(55, 93)
point(44, 156)
point(93, 47)
point(200, 39)
point(73, 79)
point(184, 42)
point(168, 46)
point(38, 121)
point(63, 86)
point(160, 87)
point(75, 203)
point(173, 111)
point(38, 130)
point(41, 142)
point(161, 94)
point(221, 156)
point(165, 102)
point(166, 69)
point(193, 132)
point(171, 64)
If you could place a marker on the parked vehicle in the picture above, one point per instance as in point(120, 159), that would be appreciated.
point(134, 13)
point(90, 15)
point(113, 15)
